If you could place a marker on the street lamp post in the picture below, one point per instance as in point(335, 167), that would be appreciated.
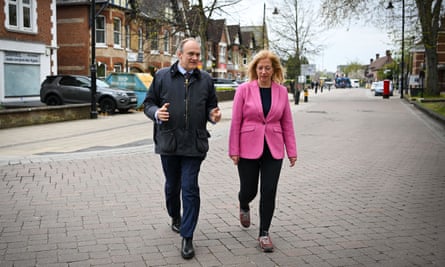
point(402, 64)
point(264, 26)
point(275, 12)
point(93, 113)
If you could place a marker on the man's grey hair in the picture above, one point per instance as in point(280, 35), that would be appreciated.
point(183, 42)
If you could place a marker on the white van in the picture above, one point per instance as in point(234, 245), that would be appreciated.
point(355, 83)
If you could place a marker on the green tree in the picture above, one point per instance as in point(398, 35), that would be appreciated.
point(293, 64)
point(353, 67)
point(427, 12)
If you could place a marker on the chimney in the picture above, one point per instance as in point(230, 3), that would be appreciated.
point(371, 60)
point(377, 56)
point(388, 53)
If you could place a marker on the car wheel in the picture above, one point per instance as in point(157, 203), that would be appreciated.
point(107, 105)
point(53, 100)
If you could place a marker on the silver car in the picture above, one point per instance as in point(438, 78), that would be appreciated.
point(378, 88)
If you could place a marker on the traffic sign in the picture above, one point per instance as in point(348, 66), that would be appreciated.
point(307, 69)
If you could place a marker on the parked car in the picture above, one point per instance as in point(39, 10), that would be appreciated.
point(378, 88)
point(70, 89)
point(225, 83)
point(355, 83)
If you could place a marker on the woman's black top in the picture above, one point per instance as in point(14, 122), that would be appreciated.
point(266, 99)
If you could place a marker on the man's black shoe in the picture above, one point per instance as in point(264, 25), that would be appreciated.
point(176, 224)
point(187, 250)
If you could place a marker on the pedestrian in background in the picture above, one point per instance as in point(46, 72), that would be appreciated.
point(261, 129)
point(181, 100)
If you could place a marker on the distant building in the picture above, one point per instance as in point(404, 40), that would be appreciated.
point(377, 64)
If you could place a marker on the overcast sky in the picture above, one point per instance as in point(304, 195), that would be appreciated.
point(343, 45)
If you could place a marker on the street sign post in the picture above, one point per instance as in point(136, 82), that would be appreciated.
point(308, 69)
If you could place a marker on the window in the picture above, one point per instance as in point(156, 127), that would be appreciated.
point(117, 32)
point(140, 40)
point(117, 68)
point(23, 72)
point(244, 59)
point(222, 53)
point(100, 30)
point(168, 13)
point(75, 81)
point(166, 42)
point(154, 40)
point(21, 15)
point(127, 37)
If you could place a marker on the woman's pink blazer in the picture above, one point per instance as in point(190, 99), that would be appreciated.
point(249, 127)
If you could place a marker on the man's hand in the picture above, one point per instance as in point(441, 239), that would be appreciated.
point(215, 115)
point(163, 113)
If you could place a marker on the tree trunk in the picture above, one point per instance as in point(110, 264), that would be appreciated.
point(432, 76)
point(429, 16)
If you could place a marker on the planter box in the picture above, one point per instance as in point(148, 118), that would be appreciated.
point(45, 114)
point(225, 95)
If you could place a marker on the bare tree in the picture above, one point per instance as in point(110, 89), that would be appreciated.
point(199, 17)
point(295, 35)
point(428, 14)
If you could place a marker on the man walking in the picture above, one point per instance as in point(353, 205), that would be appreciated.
point(180, 100)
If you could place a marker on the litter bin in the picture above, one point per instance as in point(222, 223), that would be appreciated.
point(137, 82)
point(386, 84)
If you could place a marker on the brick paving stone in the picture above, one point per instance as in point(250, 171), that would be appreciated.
point(367, 190)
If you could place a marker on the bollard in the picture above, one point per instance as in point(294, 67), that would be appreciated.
point(306, 94)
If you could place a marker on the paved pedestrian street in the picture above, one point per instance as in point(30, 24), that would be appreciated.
point(368, 189)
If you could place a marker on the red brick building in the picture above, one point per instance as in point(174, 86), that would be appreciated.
point(74, 37)
point(27, 48)
point(417, 55)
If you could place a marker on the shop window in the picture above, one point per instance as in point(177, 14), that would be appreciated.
point(23, 72)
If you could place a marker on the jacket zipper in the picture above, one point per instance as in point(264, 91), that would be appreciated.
point(186, 102)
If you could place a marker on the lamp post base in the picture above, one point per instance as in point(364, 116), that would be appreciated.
point(93, 115)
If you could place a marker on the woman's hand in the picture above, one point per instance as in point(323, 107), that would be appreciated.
point(292, 161)
point(235, 159)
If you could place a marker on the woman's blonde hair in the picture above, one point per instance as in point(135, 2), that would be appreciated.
point(277, 76)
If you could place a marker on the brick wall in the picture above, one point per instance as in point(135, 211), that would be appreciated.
point(44, 13)
point(73, 38)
